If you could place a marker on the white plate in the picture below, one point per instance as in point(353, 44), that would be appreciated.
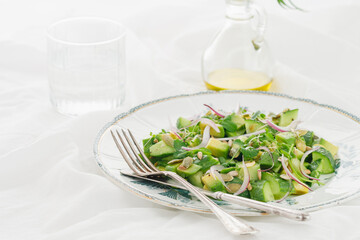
point(333, 124)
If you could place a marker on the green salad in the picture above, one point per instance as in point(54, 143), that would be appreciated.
point(261, 156)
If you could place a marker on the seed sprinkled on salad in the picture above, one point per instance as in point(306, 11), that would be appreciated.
point(245, 153)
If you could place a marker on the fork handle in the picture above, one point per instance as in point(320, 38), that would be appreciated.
point(269, 208)
point(232, 224)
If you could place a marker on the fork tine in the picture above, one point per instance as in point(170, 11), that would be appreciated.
point(134, 160)
point(148, 162)
point(129, 162)
point(140, 161)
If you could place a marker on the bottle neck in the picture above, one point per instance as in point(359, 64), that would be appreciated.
point(239, 9)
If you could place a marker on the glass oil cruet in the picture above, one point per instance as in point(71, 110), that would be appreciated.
point(238, 57)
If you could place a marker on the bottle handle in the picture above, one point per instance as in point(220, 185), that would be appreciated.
point(261, 24)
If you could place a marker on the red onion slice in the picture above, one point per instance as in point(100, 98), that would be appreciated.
point(244, 135)
point(246, 181)
point(274, 126)
point(215, 168)
point(204, 142)
point(282, 159)
point(216, 113)
point(292, 125)
point(272, 158)
point(303, 160)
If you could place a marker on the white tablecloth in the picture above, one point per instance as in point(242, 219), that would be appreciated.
point(50, 187)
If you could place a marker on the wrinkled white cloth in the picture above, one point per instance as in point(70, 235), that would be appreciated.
point(50, 187)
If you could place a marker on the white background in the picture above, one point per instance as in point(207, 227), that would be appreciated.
point(50, 187)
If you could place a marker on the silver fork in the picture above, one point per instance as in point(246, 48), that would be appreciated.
point(146, 168)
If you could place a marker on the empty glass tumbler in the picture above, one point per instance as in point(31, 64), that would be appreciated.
point(86, 65)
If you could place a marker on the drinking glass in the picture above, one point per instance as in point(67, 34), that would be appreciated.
point(86, 65)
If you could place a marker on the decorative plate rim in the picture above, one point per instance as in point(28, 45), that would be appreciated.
point(141, 194)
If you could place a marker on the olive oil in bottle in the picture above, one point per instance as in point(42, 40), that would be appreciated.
point(238, 57)
point(238, 79)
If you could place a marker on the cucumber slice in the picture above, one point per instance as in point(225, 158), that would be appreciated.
point(287, 117)
point(261, 191)
point(189, 171)
point(279, 187)
point(172, 167)
point(327, 162)
point(161, 149)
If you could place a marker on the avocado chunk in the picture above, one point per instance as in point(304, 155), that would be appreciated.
point(213, 184)
point(161, 149)
point(286, 137)
point(195, 179)
point(214, 133)
point(299, 189)
point(287, 117)
point(253, 171)
point(253, 125)
point(188, 171)
point(261, 191)
point(182, 122)
point(279, 186)
point(329, 146)
point(327, 162)
point(238, 120)
point(218, 148)
point(235, 184)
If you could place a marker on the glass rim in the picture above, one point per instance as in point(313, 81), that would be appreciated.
point(55, 39)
